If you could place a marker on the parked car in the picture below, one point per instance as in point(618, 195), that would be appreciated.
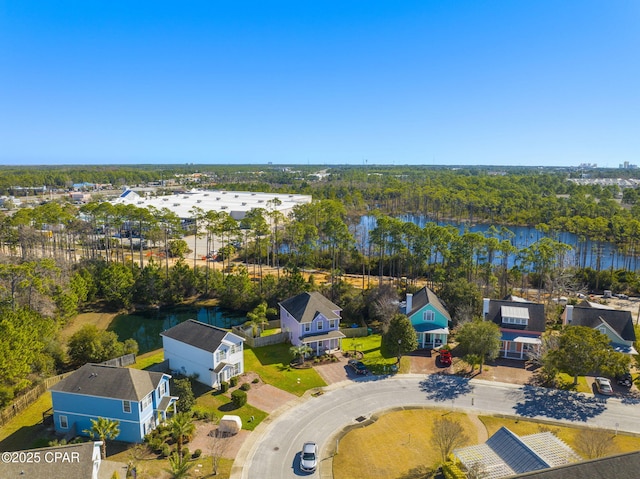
point(309, 457)
point(603, 385)
point(358, 366)
point(625, 380)
point(445, 357)
point(622, 296)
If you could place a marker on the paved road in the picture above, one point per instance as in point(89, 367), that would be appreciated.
point(319, 419)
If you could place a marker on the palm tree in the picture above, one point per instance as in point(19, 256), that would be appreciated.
point(258, 318)
point(182, 429)
point(103, 429)
point(300, 351)
point(179, 466)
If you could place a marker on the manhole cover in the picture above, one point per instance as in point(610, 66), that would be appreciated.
point(361, 418)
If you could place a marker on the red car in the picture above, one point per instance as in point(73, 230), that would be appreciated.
point(445, 357)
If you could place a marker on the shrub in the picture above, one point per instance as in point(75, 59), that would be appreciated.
point(224, 386)
point(197, 453)
point(245, 386)
point(165, 451)
point(185, 452)
point(255, 380)
point(233, 381)
point(239, 398)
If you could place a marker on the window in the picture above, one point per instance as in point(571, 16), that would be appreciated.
point(332, 324)
point(126, 406)
point(146, 402)
point(222, 354)
point(307, 327)
point(519, 321)
point(64, 423)
point(236, 369)
point(320, 325)
point(428, 316)
point(163, 388)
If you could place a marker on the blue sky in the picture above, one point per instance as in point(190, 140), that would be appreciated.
point(476, 82)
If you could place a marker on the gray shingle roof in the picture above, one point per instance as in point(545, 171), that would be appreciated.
point(426, 296)
point(306, 306)
point(621, 466)
point(620, 321)
point(110, 382)
point(536, 321)
point(82, 468)
point(200, 335)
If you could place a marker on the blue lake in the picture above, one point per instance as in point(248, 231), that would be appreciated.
point(146, 327)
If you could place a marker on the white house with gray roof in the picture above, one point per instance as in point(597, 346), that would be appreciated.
point(212, 354)
point(138, 400)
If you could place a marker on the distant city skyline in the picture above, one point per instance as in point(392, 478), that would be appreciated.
point(286, 82)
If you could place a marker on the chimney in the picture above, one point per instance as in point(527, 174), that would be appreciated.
point(409, 303)
point(485, 307)
point(568, 314)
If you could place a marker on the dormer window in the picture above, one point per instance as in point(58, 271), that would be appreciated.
point(514, 315)
point(428, 315)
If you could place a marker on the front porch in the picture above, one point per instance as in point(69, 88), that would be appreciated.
point(324, 343)
point(431, 337)
point(513, 346)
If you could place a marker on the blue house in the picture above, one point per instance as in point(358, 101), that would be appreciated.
point(139, 400)
point(429, 318)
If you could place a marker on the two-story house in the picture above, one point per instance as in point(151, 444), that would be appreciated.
point(428, 317)
point(616, 324)
point(212, 354)
point(139, 400)
point(311, 319)
point(521, 324)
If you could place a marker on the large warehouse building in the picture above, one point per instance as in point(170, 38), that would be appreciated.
point(236, 203)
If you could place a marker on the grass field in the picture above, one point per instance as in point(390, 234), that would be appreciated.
point(396, 443)
point(272, 364)
point(401, 441)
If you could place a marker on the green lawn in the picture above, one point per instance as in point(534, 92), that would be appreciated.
point(145, 360)
point(272, 365)
point(373, 356)
point(221, 404)
point(25, 430)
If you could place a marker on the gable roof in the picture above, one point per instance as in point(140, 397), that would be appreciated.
point(620, 466)
point(619, 321)
point(505, 454)
point(110, 382)
point(500, 307)
point(306, 306)
point(424, 297)
point(198, 334)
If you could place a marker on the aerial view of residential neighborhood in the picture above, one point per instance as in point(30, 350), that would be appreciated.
point(336, 240)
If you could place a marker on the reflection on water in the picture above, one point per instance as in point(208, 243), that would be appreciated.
point(146, 327)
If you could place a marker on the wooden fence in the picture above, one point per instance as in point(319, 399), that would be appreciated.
point(122, 361)
point(354, 332)
point(25, 400)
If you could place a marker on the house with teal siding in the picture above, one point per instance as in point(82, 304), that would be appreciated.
point(138, 400)
point(428, 317)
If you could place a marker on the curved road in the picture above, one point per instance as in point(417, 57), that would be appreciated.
point(275, 453)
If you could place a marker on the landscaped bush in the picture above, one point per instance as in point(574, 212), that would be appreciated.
point(255, 380)
point(197, 453)
point(233, 381)
point(185, 452)
point(245, 386)
point(166, 450)
point(239, 398)
point(224, 386)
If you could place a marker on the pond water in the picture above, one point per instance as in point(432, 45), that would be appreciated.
point(145, 327)
point(523, 237)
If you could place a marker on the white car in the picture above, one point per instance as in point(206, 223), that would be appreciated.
point(603, 385)
point(309, 457)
